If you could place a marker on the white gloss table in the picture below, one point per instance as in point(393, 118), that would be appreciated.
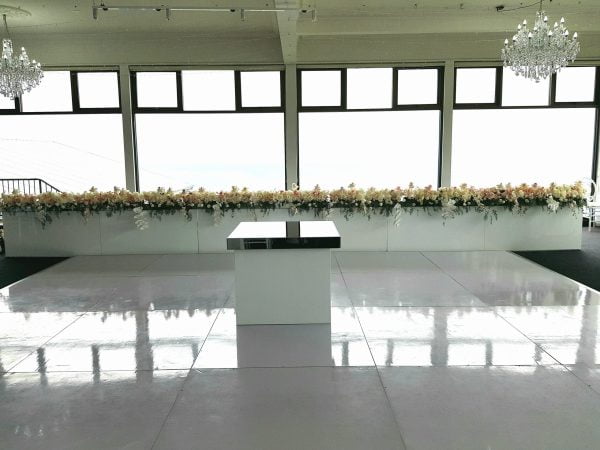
point(283, 271)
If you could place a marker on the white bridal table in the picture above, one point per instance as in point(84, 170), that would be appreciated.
point(283, 271)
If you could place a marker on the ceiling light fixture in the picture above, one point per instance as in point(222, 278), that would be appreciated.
point(542, 51)
point(17, 73)
point(243, 11)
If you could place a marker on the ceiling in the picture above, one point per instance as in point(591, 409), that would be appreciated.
point(335, 17)
point(64, 31)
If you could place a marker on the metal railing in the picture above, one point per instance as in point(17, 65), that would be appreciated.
point(25, 186)
point(32, 186)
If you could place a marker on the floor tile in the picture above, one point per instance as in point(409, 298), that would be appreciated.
point(339, 292)
point(588, 375)
point(502, 278)
point(206, 291)
point(340, 343)
point(533, 408)
point(192, 264)
point(577, 295)
point(123, 265)
point(135, 340)
point(568, 333)
point(383, 261)
point(335, 267)
point(451, 261)
point(57, 293)
point(21, 334)
point(297, 408)
point(103, 410)
point(446, 337)
point(411, 288)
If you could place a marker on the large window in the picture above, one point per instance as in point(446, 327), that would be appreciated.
point(522, 146)
point(68, 132)
point(525, 132)
point(375, 127)
point(212, 129)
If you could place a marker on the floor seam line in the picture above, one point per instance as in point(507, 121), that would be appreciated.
point(388, 401)
point(44, 343)
point(493, 309)
point(564, 366)
point(485, 304)
point(179, 392)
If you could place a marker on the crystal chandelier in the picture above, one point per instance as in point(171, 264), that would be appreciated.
point(538, 53)
point(17, 73)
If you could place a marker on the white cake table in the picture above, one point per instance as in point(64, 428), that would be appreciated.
point(283, 271)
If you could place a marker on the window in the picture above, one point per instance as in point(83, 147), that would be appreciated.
point(417, 87)
point(193, 146)
point(475, 85)
point(98, 89)
point(575, 84)
point(382, 149)
point(53, 94)
point(74, 143)
point(347, 143)
point(214, 151)
point(156, 89)
point(261, 89)
point(321, 87)
point(369, 88)
point(521, 91)
point(538, 133)
point(208, 90)
point(72, 152)
point(522, 146)
point(6, 103)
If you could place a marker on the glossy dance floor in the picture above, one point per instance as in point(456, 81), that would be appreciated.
point(439, 350)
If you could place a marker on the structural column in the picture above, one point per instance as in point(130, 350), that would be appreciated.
point(291, 126)
point(287, 22)
point(596, 162)
point(447, 111)
point(128, 129)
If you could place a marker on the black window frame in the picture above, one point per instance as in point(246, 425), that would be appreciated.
point(552, 104)
point(594, 102)
point(394, 104)
point(340, 107)
point(75, 105)
point(497, 103)
point(239, 109)
point(179, 109)
point(343, 107)
point(420, 106)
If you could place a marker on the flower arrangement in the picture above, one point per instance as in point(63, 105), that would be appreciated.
point(450, 201)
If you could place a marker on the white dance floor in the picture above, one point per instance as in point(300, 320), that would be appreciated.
point(432, 350)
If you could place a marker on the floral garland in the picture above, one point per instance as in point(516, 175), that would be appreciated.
point(451, 201)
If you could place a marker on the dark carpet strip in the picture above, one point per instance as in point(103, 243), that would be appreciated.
point(580, 265)
point(15, 269)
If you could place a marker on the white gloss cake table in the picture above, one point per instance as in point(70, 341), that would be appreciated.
point(283, 271)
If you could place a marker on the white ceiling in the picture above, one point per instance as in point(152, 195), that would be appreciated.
point(64, 32)
point(335, 17)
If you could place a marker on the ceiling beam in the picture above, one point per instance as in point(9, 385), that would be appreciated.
point(287, 22)
point(420, 23)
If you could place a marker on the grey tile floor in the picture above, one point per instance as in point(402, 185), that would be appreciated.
point(433, 350)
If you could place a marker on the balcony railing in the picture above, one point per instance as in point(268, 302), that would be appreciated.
point(25, 186)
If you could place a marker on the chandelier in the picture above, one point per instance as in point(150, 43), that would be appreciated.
point(542, 51)
point(17, 73)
